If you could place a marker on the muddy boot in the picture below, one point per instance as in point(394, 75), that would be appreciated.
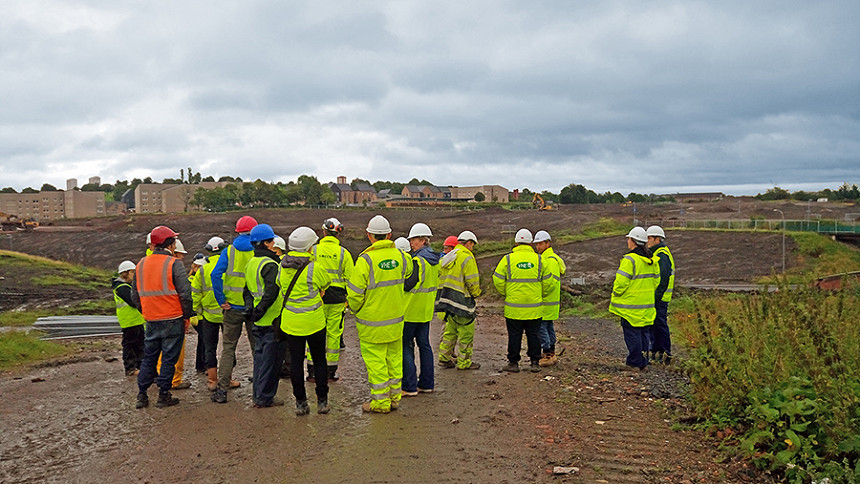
point(212, 377)
point(447, 364)
point(302, 408)
point(548, 359)
point(322, 405)
point(219, 395)
point(535, 366)
point(332, 374)
point(512, 367)
point(181, 386)
point(142, 401)
point(165, 399)
point(472, 366)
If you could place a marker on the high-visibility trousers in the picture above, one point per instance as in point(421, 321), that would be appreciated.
point(457, 329)
point(384, 363)
point(333, 331)
point(180, 365)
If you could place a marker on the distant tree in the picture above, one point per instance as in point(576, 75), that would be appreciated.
point(848, 192)
point(91, 187)
point(359, 180)
point(29, 190)
point(119, 189)
point(147, 180)
point(217, 199)
point(395, 187)
point(209, 178)
point(636, 197)
point(47, 187)
point(576, 194)
point(480, 197)
point(416, 181)
point(775, 193)
point(549, 196)
point(172, 181)
point(8, 190)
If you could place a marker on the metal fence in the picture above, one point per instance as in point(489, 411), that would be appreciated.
point(820, 226)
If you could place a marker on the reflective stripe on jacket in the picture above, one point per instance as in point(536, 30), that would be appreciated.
point(552, 303)
point(256, 286)
point(302, 313)
point(334, 259)
point(205, 303)
point(159, 300)
point(459, 284)
point(421, 300)
point(375, 292)
point(234, 276)
point(667, 281)
point(524, 280)
point(633, 289)
point(127, 315)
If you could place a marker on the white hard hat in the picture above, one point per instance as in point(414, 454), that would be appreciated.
point(638, 234)
point(467, 235)
point(656, 231)
point(542, 236)
point(420, 230)
point(524, 236)
point(126, 265)
point(148, 238)
point(215, 244)
point(179, 247)
point(200, 262)
point(378, 225)
point(280, 242)
point(402, 244)
point(302, 239)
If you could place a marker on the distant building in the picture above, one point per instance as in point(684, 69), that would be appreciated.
point(54, 205)
point(95, 180)
point(492, 193)
point(431, 192)
point(168, 197)
point(355, 194)
point(71, 184)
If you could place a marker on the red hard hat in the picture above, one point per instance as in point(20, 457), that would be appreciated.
point(245, 224)
point(451, 241)
point(161, 233)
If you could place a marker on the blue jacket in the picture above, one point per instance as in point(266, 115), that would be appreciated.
point(427, 254)
point(243, 243)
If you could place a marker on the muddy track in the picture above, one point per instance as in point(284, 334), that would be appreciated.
point(80, 425)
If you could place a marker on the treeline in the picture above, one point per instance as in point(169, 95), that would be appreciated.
point(844, 193)
point(307, 189)
point(579, 194)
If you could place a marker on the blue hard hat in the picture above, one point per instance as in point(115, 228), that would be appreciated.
point(262, 232)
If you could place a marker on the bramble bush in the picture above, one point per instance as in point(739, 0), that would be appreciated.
point(784, 368)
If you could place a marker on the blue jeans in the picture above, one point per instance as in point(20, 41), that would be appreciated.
point(636, 339)
point(268, 359)
point(660, 340)
point(547, 336)
point(165, 337)
point(420, 333)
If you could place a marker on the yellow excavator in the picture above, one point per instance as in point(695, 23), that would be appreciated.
point(540, 204)
point(13, 222)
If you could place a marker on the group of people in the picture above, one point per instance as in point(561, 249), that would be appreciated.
point(291, 296)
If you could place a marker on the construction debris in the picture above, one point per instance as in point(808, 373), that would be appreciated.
point(59, 327)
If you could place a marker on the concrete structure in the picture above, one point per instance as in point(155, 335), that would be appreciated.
point(95, 180)
point(54, 205)
point(168, 197)
point(71, 184)
point(492, 193)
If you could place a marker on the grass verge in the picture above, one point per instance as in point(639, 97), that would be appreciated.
point(19, 347)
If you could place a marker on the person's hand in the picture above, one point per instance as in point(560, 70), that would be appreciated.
point(187, 324)
point(225, 306)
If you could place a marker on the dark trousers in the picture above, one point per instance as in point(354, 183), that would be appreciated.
point(208, 333)
point(316, 345)
point(162, 338)
point(660, 339)
point(636, 339)
point(417, 333)
point(516, 327)
point(132, 347)
point(268, 356)
point(200, 353)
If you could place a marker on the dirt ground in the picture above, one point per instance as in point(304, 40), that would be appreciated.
point(76, 422)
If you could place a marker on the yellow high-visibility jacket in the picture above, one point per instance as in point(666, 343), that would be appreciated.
point(421, 299)
point(205, 304)
point(459, 284)
point(303, 314)
point(234, 275)
point(667, 273)
point(552, 303)
point(633, 289)
point(335, 260)
point(375, 292)
point(255, 282)
point(524, 281)
point(127, 314)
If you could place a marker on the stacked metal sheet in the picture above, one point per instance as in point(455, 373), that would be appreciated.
point(58, 327)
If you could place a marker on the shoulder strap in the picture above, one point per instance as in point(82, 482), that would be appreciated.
point(293, 283)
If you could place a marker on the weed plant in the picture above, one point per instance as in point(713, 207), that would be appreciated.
point(784, 369)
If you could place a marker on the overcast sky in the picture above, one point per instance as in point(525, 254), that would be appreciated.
point(651, 97)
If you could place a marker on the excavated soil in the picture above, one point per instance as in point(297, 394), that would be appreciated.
point(77, 423)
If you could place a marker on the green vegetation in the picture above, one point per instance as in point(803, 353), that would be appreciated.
point(17, 347)
point(821, 256)
point(781, 368)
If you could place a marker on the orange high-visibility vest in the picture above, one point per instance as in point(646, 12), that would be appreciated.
point(159, 300)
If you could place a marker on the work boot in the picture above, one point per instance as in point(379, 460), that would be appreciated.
point(322, 405)
point(142, 400)
point(332, 377)
point(165, 399)
point(212, 377)
point(472, 366)
point(235, 384)
point(367, 408)
point(404, 393)
point(276, 402)
point(548, 359)
point(181, 386)
point(512, 367)
point(302, 407)
point(219, 395)
point(395, 404)
point(535, 366)
point(447, 364)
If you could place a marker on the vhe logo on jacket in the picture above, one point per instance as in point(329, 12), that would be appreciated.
point(525, 265)
point(388, 264)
